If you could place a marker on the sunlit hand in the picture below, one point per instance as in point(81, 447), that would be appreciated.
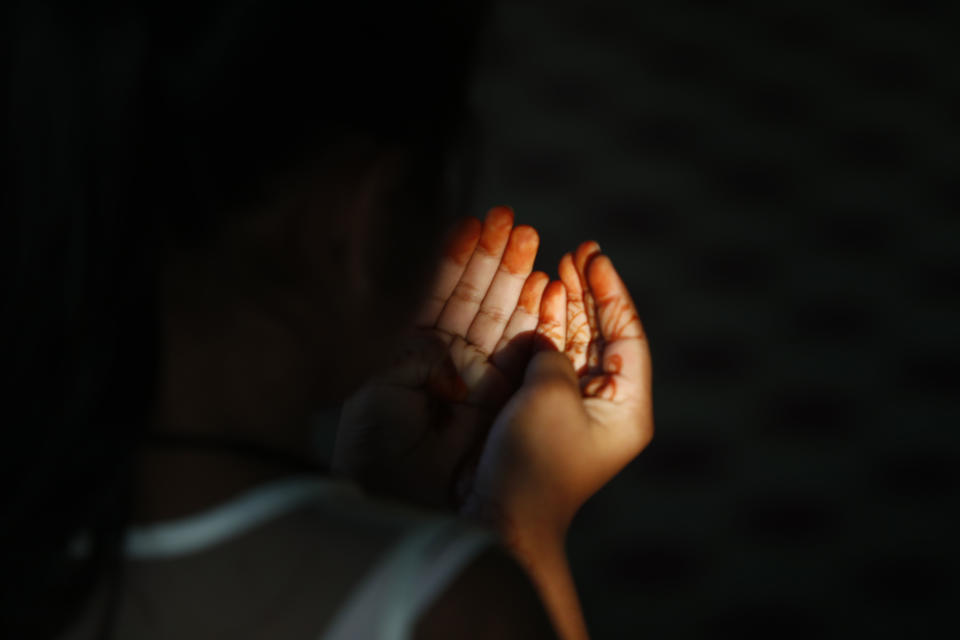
point(411, 430)
point(583, 412)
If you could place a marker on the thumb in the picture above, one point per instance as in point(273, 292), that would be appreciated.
point(551, 367)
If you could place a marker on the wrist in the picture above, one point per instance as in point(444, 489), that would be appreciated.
point(533, 540)
point(539, 548)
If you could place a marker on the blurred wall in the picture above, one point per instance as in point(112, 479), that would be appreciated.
point(778, 186)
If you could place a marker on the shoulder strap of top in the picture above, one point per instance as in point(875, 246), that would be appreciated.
point(387, 604)
point(229, 520)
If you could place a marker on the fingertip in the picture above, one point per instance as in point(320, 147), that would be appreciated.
point(540, 277)
point(521, 249)
point(548, 365)
point(553, 313)
point(568, 273)
point(532, 291)
point(555, 293)
point(527, 234)
point(500, 215)
point(602, 277)
point(583, 255)
point(496, 229)
point(599, 259)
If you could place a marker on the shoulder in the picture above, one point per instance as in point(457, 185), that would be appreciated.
point(491, 598)
point(456, 578)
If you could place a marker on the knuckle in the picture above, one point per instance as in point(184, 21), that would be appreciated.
point(496, 315)
point(555, 392)
point(466, 292)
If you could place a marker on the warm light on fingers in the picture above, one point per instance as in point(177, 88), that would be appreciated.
point(532, 292)
point(569, 277)
point(578, 327)
point(473, 284)
point(616, 313)
point(604, 280)
point(553, 315)
point(521, 250)
point(513, 349)
point(496, 230)
point(582, 256)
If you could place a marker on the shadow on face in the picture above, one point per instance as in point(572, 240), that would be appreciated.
point(338, 260)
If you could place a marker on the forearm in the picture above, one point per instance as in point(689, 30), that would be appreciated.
point(545, 560)
point(542, 554)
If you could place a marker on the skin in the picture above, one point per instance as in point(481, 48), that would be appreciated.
point(571, 426)
point(506, 396)
point(431, 409)
point(601, 416)
point(580, 413)
point(252, 356)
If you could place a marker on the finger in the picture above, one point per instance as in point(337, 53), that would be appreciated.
point(457, 251)
point(578, 329)
point(527, 314)
point(625, 351)
point(464, 301)
point(616, 314)
point(551, 332)
point(581, 259)
point(551, 366)
point(515, 345)
point(551, 379)
point(501, 299)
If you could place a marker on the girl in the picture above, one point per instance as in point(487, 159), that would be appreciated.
point(225, 219)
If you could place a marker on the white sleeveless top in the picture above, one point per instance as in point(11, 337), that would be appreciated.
point(250, 568)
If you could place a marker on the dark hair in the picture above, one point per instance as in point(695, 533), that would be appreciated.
point(130, 131)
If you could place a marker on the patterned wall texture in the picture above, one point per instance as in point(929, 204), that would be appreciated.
point(778, 186)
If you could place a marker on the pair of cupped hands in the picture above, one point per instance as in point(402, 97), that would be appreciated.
point(516, 397)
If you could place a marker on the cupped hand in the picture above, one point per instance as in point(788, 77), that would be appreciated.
point(584, 409)
point(411, 430)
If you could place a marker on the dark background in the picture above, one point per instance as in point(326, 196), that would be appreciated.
point(777, 186)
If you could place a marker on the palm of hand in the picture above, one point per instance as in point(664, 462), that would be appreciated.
point(411, 430)
point(569, 429)
point(603, 338)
